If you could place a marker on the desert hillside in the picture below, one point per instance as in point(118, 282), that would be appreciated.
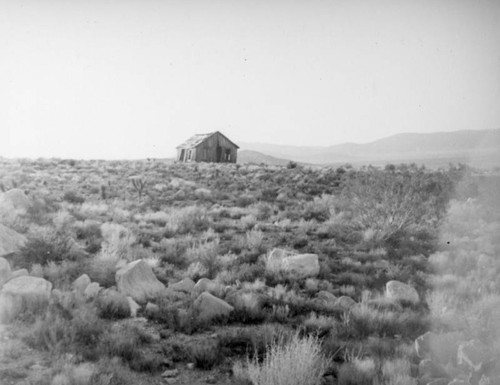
point(154, 272)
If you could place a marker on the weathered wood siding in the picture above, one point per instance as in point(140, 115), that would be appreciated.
point(216, 148)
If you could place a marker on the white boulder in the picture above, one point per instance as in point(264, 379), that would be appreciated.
point(396, 290)
point(138, 281)
point(5, 271)
point(208, 307)
point(10, 241)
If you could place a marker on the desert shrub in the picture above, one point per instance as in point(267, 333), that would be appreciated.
point(205, 253)
point(59, 331)
point(90, 232)
point(112, 305)
point(172, 251)
point(118, 241)
point(357, 373)
point(296, 361)
point(319, 324)
point(73, 197)
point(397, 372)
point(244, 200)
point(43, 248)
point(206, 355)
point(187, 220)
point(364, 321)
point(255, 241)
point(61, 275)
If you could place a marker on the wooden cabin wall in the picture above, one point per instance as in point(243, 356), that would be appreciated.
point(207, 150)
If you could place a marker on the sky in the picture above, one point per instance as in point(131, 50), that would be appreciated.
point(134, 78)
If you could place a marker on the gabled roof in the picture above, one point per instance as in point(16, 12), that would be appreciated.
point(200, 138)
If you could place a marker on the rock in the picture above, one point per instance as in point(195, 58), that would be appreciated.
point(472, 354)
point(81, 283)
point(441, 347)
point(302, 265)
point(151, 309)
point(186, 285)
point(5, 271)
point(296, 265)
point(190, 365)
point(208, 307)
point(401, 291)
point(439, 381)
point(205, 284)
point(423, 344)
point(458, 382)
point(23, 293)
point(326, 297)
point(92, 291)
point(170, 373)
point(10, 241)
point(211, 380)
point(138, 281)
point(17, 198)
point(134, 306)
point(18, 273)
point(276, 257)
point(345, 302)
point(430, 369)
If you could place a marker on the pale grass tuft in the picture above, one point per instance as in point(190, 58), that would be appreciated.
point(297, 362)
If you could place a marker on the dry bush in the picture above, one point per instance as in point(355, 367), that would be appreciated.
point(298, 361)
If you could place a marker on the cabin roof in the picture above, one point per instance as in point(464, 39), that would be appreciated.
point(197, 139)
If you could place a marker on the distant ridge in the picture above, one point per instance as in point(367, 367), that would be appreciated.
point(255, 157)
point(476, 147)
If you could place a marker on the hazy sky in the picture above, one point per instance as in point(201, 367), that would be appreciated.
point(134, 78)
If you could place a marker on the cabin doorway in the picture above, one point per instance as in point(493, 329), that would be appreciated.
point(183, 154)
point(218, 153)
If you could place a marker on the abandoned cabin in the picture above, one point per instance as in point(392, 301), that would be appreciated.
point(212, 147)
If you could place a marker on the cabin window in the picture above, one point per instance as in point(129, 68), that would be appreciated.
point(189, 155)
point(227, 157)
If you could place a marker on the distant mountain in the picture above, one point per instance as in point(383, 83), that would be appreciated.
point(248, 156)
point(476, 147)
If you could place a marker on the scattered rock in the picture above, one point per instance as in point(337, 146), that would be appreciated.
point(472, 354)
point(439, 381)
point(19, 273)
point(190, 365)
point(211, 380)
point(92, 291)
point(5, 271)
point(23, 293)
point(401, 291)
point(186, 285)
point(16, 198)
point(134, 307)
point(208, 307)
point(138, 281)
point(458, 382)
point(170, 373)
point(345, 302)
point(326, 297)
point(440, 347)
point(10, 241)
point(81, 283)
point(205, 284)
point(297, 265)
point(430, 369)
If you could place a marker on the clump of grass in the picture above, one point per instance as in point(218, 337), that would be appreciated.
point(112, 305)
point(205, 356)
point(296, 362)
